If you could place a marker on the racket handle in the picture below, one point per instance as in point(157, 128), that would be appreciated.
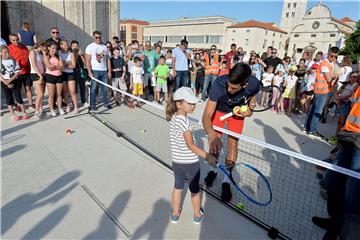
point(222, 118)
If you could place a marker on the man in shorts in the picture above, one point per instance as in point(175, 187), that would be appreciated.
point(227, 93)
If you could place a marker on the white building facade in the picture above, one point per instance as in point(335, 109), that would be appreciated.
point(257, 36)
point(318, 31)
point(200, 32)
point(292, 13)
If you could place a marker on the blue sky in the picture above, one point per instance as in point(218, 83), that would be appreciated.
point(267, 11)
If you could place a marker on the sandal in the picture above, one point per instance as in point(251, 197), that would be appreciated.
point(25, 117)
point(15, 118)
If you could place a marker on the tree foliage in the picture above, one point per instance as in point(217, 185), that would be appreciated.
point(352, 44)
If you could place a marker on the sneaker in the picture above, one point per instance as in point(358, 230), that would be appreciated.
point(15, 118)
point(314, 135)
point(173, 218)
point(108, 107)
point(38, 114)
point(226, 194)
point(53, 113)
point(324, 223)
point(76, 111)
point(209, 179)
point(61, 111)
point(332, 140)
point(303, 129)
point(198, 220)
point(32, 107)
point(25, 117)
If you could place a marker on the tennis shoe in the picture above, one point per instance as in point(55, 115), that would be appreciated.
point(226, 194)
point(198, 220)
point(324, 223)
point(174, 218)
point(210, 178)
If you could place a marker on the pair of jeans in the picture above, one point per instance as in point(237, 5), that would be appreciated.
point(181, 79)
point(102, 76)
point(344, 191)
point(315, 112)
point(80, 86)
point(208, 78)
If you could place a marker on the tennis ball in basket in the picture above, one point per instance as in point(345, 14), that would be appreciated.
point(240, 206)
point(244, 109)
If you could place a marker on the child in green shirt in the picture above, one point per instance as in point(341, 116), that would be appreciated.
point(162, 72)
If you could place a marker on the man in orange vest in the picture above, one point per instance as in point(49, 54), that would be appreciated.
point(325, 78)
point(212, 66)
point(343, 191)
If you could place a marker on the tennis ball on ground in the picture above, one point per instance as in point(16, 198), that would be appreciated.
point(240, 206)
point(244, 109)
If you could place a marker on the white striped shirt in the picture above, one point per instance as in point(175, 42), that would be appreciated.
point(180, 153)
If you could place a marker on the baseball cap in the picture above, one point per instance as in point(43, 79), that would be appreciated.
point(187, 94)
point(315, 66)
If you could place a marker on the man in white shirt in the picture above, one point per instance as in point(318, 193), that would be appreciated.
point(99, 67)
point(181, 64)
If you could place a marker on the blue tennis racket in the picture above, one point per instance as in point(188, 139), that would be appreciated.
point(249, 182)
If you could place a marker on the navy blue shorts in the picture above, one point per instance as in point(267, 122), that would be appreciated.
point(187, 172)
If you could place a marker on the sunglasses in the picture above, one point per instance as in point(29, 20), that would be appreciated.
point(213, 48)
point(55, 32)
point(274, 52)
point(97, 37)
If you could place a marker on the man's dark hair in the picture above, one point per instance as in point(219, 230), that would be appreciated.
point(334, 50)
point(115, 38)
point(137, 59)
point(134, 41)
point(271, 47)
point(233, 45)
point(240, 73)
point(213, 46)
point(162, 57)
point(116, 48)
point(184, 42)
point(74, 42)
point(96, 32)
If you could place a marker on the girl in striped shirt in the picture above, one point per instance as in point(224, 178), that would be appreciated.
point(185, 153)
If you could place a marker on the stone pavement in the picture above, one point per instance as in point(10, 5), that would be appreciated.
point(44, 169)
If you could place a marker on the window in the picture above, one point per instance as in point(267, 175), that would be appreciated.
point(158, 38)
point(146, 38)
point(296, 35)
point(294, 4)
point(273, 34)
point(294, 46)
point(196, 39)
point(247, 30)
point(287, 14)
point(233, 40)
point(332, 35)
point(134, 29)
point(313, 35)
point(166, 39)
point(234, 31)
point(216, 39)
point(311, 43)
point(134, 36)
point(279, 45)
point(293, 14)
point(246, 42)
point(174, 39)
point(309, 13)
point(265, 42)
point(289, 5)
point(207, 39)
point(280, 35)
point(122, 28)
point(273, 43)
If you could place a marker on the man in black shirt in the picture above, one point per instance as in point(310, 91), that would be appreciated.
point(273, 60)
point(54, 36)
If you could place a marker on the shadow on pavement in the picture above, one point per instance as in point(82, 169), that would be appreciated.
point(11, 150)
point(15, 209)
point(106, 228)
point(146, 230)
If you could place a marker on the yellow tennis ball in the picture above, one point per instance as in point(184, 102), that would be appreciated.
point(244, 109)
point(236, 110)
point(240, 206)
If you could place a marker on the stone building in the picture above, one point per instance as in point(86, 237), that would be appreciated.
point(318, 31)
point(76, 19)
point(131, 29)
point(292, 13)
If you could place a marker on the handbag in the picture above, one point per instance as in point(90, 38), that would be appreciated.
point(83, 72)
point(348, 138)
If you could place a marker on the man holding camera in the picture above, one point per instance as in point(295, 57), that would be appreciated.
point(212, 66)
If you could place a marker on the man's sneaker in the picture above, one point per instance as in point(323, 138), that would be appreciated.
point(226, 194)
point(210, 178)
point(332, 140)
point(315, 135)
point(198, 220)
point(53, 113)
point(32, 107)
point(38, 115)
point(324, 223)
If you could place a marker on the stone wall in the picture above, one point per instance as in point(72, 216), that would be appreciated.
point(76, 19)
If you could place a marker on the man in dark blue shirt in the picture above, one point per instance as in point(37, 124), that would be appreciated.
point(228, 92)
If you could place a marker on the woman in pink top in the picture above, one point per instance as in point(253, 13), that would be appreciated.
point(54, 81)
point(37, 74)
